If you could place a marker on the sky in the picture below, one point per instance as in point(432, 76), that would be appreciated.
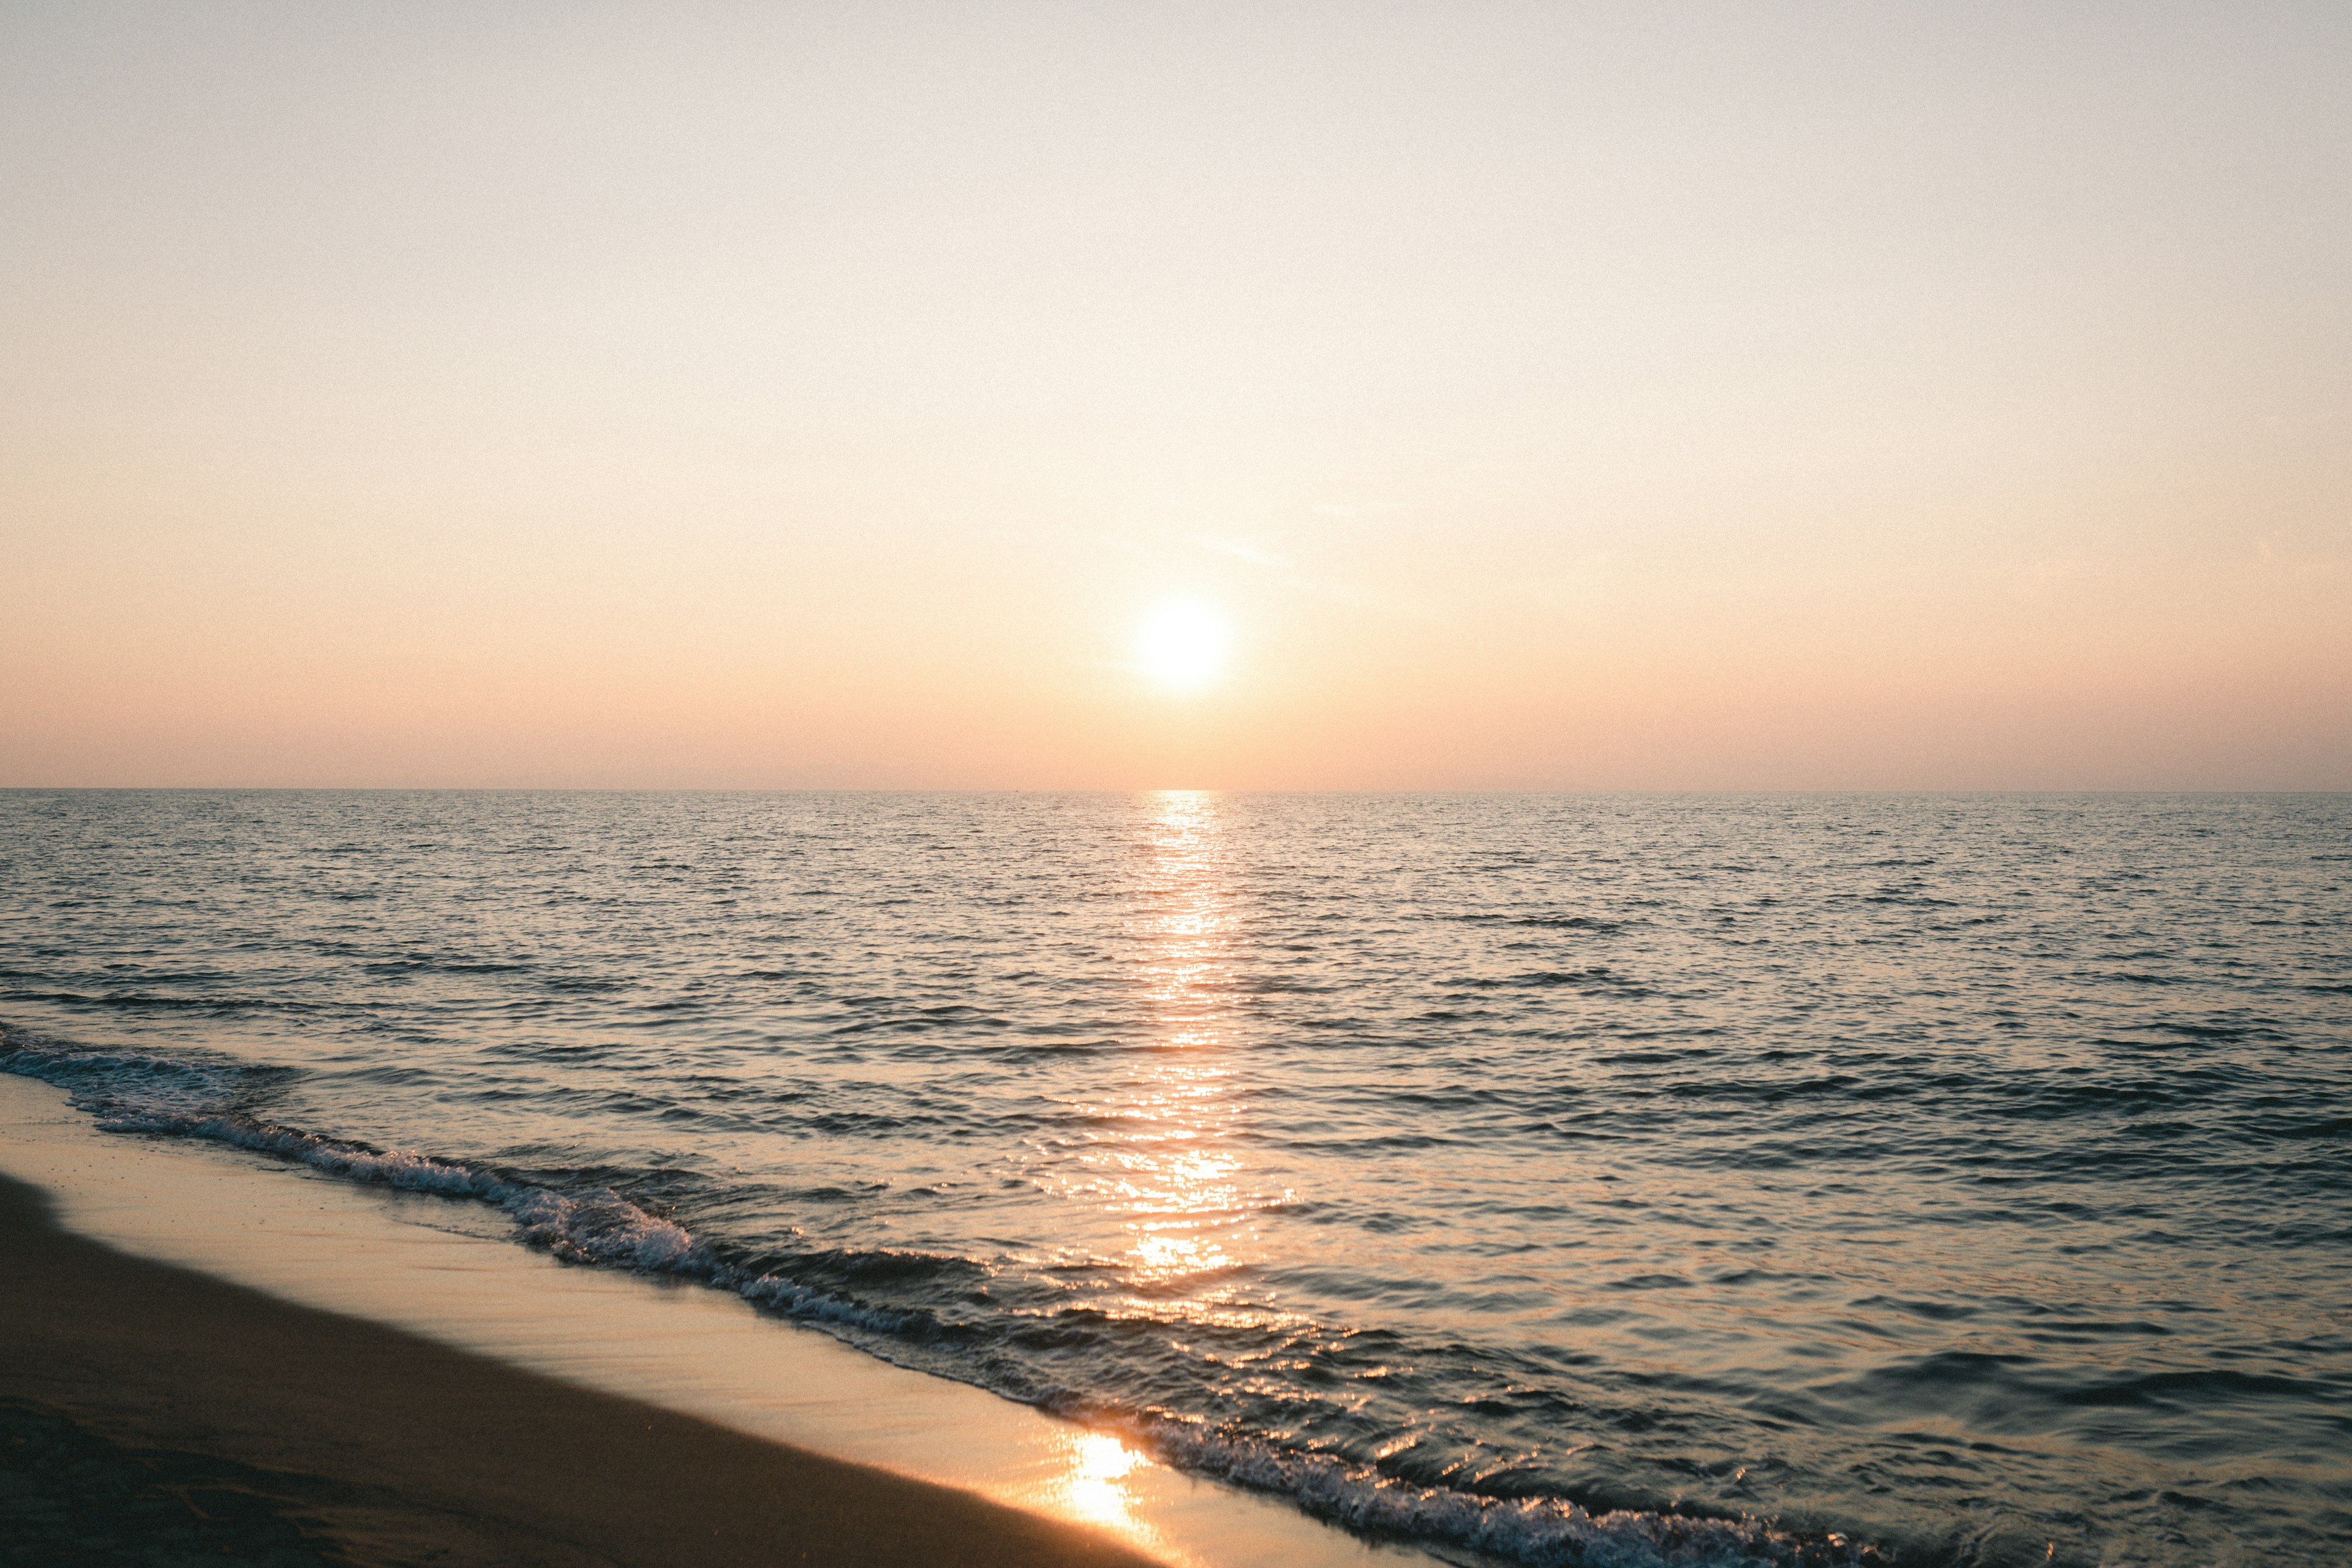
point(1490, 396)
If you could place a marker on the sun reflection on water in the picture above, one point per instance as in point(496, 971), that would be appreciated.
point(1172, 1177)
point(1159, 1164)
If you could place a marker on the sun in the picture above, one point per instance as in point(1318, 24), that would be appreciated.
point(1182, 646)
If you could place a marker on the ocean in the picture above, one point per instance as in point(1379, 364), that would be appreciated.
point(1545, 1179)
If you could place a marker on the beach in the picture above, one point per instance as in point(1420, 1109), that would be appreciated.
point(370, 1361)
point(368, 1444)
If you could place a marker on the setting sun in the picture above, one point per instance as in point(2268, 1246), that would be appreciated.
point(1182, 646)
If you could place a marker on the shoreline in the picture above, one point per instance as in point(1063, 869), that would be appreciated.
point(234, 1239)
point(376, 1446)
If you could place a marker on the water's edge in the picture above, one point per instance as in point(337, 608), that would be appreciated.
point(402, 1258)
point(599, 1229)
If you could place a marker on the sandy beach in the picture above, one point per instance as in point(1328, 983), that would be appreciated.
point(289, 1435)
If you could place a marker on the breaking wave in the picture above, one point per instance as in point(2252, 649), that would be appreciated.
point(596, 1227)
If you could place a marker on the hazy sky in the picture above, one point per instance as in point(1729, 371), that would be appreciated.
point(1535, 396)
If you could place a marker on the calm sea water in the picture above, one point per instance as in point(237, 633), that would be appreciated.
point(1568, 1179)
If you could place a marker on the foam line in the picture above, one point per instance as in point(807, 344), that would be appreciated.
point(598, 1227)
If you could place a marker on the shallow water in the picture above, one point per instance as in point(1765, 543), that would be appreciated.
point(1570, 1178)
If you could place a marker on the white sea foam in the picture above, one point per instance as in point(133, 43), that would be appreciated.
point(788, 1300)
point(599, 1227)
point(1544, 1533)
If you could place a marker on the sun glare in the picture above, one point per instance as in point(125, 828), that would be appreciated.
point(1182, 646)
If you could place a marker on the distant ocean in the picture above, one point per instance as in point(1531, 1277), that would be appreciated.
point(1566, 1179)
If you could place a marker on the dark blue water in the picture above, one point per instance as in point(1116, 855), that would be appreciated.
point(1947, 1180)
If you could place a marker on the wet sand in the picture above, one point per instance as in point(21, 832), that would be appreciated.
point(317, 1436)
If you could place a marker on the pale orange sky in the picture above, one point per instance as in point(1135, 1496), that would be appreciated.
point(1540, 396)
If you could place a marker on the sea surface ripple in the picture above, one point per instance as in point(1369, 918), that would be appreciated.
point(1561, 1179)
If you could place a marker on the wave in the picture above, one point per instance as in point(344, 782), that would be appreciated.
point(133, 1092)
point(1545, 1533)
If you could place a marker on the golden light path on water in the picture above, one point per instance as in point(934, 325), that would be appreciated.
point(1160, 1160)
point(1174, 1177)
